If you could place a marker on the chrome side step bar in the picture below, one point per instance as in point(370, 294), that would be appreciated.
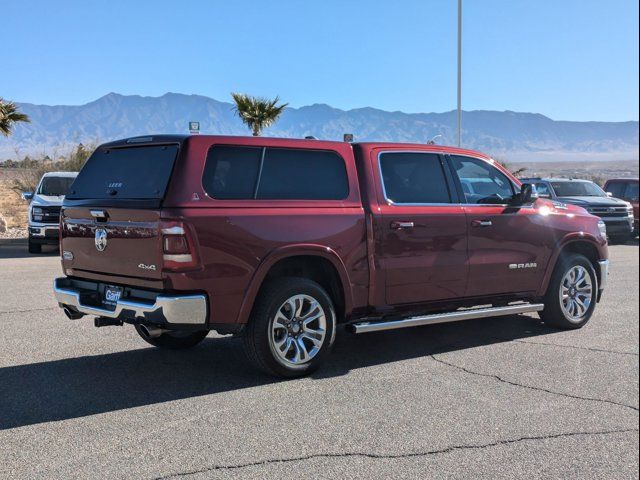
point(366, 327)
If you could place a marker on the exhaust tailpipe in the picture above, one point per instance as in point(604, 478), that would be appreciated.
point(72, 314)
point(150, 331)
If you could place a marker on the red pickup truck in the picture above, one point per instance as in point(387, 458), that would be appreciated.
point(626, 189)
point(281, 240)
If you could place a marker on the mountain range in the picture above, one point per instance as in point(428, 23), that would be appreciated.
point(511, 136)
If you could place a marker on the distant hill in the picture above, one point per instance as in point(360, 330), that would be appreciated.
point(507, 135)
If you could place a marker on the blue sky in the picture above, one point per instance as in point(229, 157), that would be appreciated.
point(568, 59)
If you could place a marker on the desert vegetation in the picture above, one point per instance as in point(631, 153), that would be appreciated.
point(17, 176)
point(30, 170)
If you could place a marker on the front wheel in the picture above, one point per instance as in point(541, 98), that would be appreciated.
point(572, 293)
point(292, 327)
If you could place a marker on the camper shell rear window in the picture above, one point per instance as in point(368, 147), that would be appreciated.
point(136, 172)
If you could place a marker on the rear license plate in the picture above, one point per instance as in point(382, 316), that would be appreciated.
point(111, 296)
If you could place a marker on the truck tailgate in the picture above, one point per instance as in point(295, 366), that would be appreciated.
point(121, 241)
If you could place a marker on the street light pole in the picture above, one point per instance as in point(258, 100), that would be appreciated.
point(459, 73)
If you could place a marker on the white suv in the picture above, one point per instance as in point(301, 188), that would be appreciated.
point(44, 209)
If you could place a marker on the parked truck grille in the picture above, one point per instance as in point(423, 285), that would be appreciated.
point(49, 215)
point(609, 212)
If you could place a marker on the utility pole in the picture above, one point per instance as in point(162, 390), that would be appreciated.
point(459, 73)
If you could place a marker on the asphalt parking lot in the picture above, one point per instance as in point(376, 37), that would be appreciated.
point(494, 398)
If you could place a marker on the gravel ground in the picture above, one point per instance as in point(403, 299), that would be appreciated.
point(495, 398)
point(15, 233)
point(13, 210)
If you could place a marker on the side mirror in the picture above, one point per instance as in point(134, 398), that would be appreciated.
point(609, 194)
point(527, 195)
point(27, 196)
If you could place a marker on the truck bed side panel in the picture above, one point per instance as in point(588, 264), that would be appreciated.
point(234, 242)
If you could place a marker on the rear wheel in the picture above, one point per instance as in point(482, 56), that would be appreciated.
point(292, 327)
point(34, 247)
point(572, 293)
point(172, 339)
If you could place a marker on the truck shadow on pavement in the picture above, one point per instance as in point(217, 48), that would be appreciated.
point(19, 250)
point(77, 387)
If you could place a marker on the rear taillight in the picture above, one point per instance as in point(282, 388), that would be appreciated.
point(178, 248)
point(175, 245)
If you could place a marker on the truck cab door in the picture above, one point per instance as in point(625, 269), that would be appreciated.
point(508, 247)
point(420, 228)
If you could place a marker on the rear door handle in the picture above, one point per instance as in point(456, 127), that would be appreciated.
point(401, 225)
point(481, 223)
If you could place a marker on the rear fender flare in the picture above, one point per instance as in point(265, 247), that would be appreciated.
point(293, 251)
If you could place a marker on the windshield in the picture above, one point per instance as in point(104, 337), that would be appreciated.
point(55, 186)
point(577, 189)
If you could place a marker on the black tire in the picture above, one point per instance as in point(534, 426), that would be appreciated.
point(34, 247)
point(259, 339)
point(174, 340)
point(554, 314)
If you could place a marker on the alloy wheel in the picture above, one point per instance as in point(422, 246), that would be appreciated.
point(576, 293)
point(298, 330)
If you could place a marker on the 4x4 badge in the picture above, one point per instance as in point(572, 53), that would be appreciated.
point(101, 239)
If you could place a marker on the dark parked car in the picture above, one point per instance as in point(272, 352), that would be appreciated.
point(281, 240)
point(626, 189)
point(617, 214)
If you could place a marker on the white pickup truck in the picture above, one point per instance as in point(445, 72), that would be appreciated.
point(44, 209)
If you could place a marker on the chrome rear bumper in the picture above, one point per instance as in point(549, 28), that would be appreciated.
point(166, 309)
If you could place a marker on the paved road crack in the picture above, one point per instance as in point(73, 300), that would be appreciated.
point(531, 387)
point(6, 312)
point(590, 349)
point(394, 456)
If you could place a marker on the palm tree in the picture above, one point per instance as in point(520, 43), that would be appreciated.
point(9, 115)
point(257, 113)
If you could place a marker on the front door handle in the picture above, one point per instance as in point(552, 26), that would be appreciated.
point(481, 223)
point(401, 225)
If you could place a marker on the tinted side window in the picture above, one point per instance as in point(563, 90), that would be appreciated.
point(414, 178)
point(631, 192)
point(290, 174)
point(232, 172)
point(616, 189)
point(242, 173)
point(482, 183)
point(543, 190)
